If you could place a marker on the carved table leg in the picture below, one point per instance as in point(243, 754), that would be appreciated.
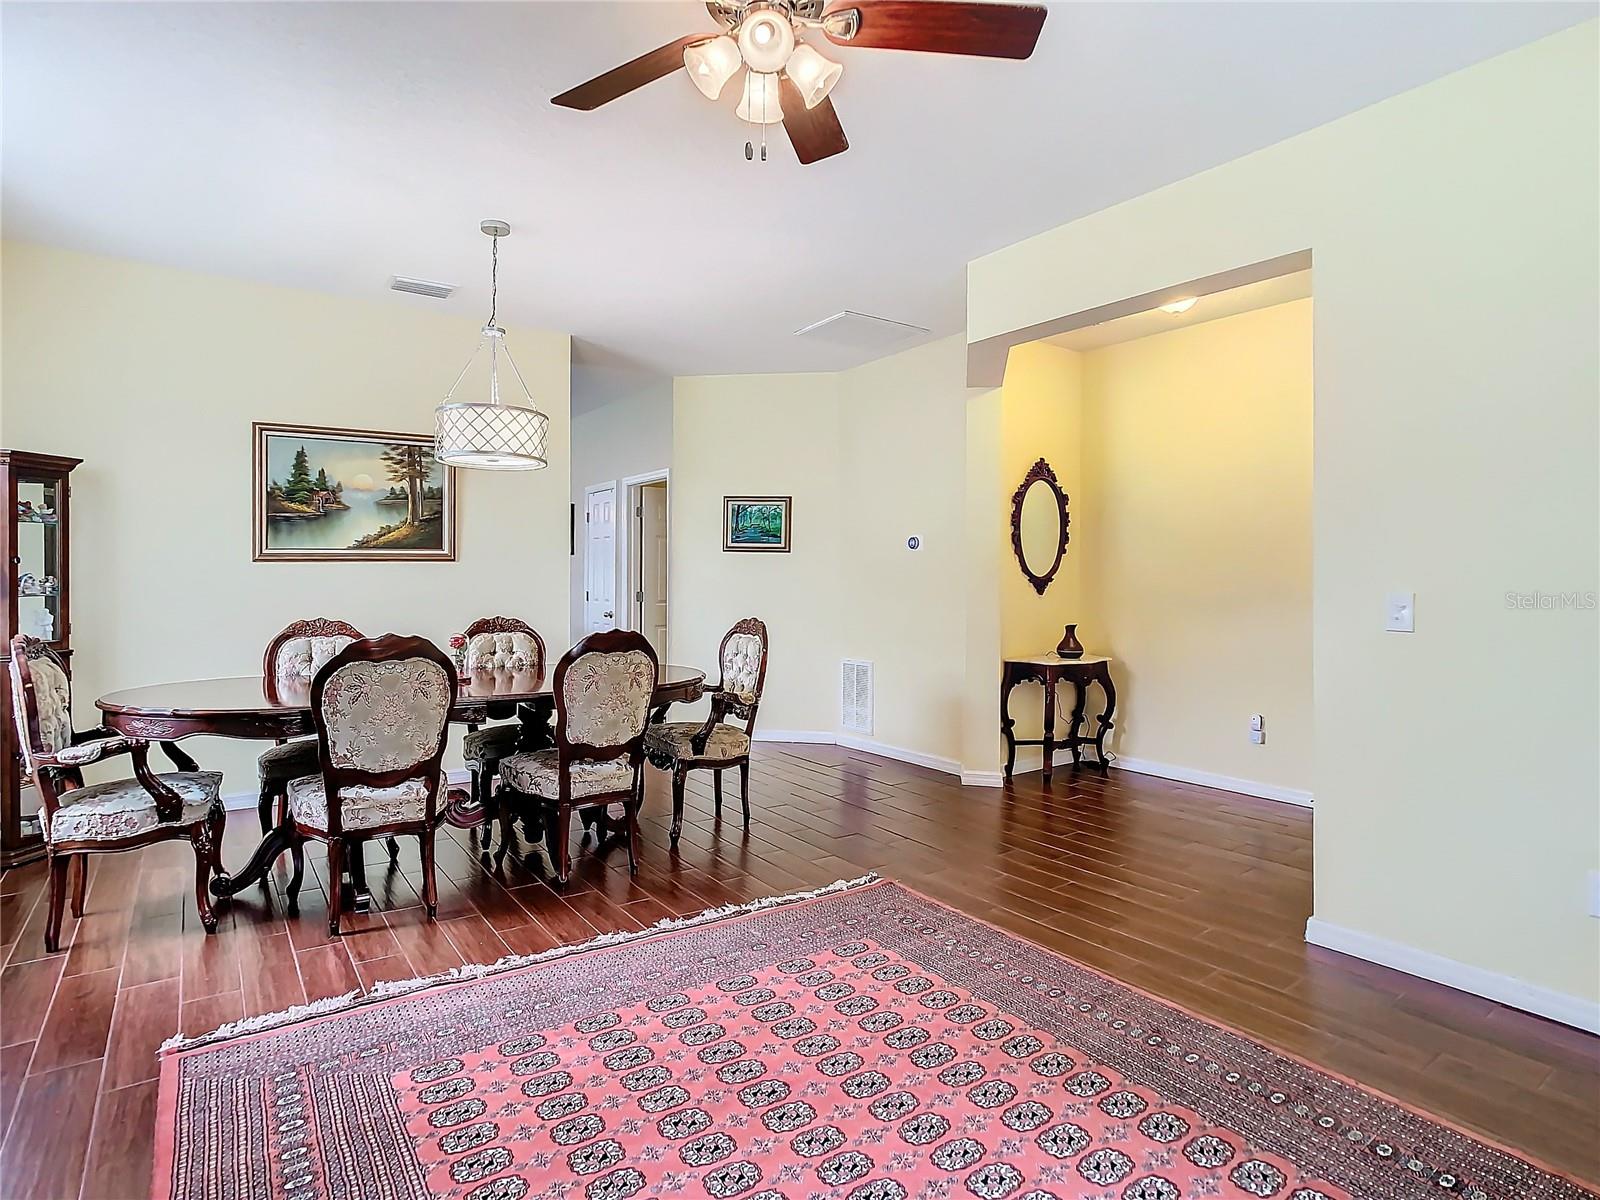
point(1007, 682)
point(1103, 677)
point(1080, 702)
point(274, 844)
point(179, 759)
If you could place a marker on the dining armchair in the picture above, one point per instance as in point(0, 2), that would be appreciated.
point(292, 660)
point(714, 744)
point(101, 818)
point(496, 644)
point(381, 708)
point(603, 688)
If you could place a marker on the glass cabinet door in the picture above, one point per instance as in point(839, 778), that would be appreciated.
point(39, 556)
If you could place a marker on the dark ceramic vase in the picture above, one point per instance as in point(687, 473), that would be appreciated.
point(1070, 646)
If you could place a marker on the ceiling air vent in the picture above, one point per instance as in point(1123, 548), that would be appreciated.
point(855, 696)
point(421, 287)
point(860, 331)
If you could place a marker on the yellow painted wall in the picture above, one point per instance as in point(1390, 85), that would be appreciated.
point(1193, 542)
point(153, 376)
point(1456, 368)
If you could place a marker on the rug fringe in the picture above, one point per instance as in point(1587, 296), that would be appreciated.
point(399, 987)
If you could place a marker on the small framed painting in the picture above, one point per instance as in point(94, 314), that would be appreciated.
point(350, 495)
point(757, 523)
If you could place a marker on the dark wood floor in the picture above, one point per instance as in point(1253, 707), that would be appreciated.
point(1197, 895)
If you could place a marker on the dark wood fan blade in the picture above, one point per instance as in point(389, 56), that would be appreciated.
point(942, 27)
point(619, 81)
point(815, 133)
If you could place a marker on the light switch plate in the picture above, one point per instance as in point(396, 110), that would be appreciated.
point(1401, 608)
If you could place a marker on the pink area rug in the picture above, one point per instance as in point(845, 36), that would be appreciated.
point(860, 1042)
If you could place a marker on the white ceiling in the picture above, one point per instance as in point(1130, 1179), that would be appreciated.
point(330, 146)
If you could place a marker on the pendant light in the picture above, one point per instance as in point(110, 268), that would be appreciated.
point(492, 436)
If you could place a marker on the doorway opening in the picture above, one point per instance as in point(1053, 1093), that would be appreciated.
point(647, 557)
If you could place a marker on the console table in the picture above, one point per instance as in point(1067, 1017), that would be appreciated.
point(1049, 670)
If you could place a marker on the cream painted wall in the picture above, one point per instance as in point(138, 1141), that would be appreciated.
point(902, 447)
point(760, 435)
point(872, 456)
point(1194, 542)
point(1456, 368)
point(153, 377)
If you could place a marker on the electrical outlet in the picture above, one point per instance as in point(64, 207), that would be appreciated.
point(1258, 737)
point(1258, 729)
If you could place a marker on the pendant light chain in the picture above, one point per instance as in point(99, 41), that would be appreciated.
point(494, 277)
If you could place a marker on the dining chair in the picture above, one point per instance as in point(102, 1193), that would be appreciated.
point(603, 688)
point(381, 708)
point(101, 818)
point(292, 660)
point(713, 744)
point(496, 644)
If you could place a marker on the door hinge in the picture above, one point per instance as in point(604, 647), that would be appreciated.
point(586, 595)
point(639, 596)
point(639, 512)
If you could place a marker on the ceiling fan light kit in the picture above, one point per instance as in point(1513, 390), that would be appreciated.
point(788, 80)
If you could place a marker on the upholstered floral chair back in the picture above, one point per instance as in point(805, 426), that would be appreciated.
point(603, 687)
point(302, 649)
point(504, 651)
point(743, 659)
point(383, 705)
point(743, 655)
point(48, 727)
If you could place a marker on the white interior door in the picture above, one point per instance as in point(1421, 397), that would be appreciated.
point(652, 595)
point(600, 561)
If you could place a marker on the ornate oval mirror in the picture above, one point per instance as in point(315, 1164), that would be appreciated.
point(1039, 525)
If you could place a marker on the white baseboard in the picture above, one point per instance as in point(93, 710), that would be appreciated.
point(808, 736)
point(850, 741)
point(983, 779)
point(1226, 783)
point(1504, 989)
point(933, 762)
point(239, 801)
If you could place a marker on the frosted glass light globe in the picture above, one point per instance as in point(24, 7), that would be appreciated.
point(711, 64)
point(766, 39)
point(760, 103)
point(813, 74)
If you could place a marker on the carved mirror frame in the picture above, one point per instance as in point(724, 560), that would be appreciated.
point(1040, 472)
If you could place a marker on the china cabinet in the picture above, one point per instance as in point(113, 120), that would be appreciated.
point(37, 602)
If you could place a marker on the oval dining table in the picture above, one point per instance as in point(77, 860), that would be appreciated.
point(252, 707)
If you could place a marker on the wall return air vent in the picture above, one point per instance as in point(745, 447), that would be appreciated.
point(855, 696)
point(421, 287)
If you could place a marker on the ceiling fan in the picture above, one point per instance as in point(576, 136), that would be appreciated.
point(788, 80)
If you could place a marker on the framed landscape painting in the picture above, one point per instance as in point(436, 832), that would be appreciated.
point(350, 495)
point(758, 523)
